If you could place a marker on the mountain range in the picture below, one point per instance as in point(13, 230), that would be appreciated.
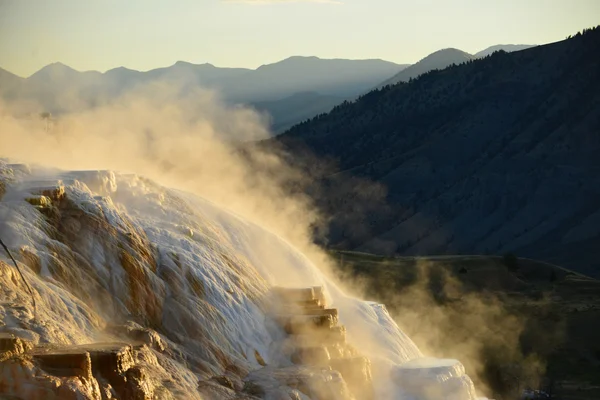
point(288, 91)
point(495, 155)
point(58, 88)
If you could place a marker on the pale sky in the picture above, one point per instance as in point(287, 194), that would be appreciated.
point(147, 34)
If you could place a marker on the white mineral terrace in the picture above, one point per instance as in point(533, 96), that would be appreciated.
point(175, 294)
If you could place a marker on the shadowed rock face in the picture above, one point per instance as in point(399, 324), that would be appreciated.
point(25, 380)
point(65, 362)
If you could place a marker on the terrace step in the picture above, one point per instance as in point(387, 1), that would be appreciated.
point(64, 362)
point(298, 324)
point(108, 360)
point(316, 340)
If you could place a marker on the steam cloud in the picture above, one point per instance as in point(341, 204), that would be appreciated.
point(191, 141)
point(188, 140)
point(446, 318)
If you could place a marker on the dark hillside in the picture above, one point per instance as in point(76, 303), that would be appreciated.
point(498, 154)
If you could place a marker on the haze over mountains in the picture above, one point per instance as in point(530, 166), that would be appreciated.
point(58, 88)
point(288, 91)
point(496, 155)
point(9, 84)
point(298, 107)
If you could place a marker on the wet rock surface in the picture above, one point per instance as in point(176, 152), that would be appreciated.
point(325, 367)
point(297, 381)
point(433, 378)
point(177, 295)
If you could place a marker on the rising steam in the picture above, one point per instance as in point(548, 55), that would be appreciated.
point(186, 140)
point(192, 141)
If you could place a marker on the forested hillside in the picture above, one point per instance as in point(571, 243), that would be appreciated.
point(492, 156)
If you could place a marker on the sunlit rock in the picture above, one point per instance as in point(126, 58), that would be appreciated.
point(12, 346)
point(137, 334)
point(103, 183)
point(186, 287)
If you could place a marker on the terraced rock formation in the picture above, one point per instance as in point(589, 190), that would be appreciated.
point(316, 340)
point(143, 292)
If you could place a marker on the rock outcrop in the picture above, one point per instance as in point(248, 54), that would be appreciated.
point(98, 371)
point(12, 346)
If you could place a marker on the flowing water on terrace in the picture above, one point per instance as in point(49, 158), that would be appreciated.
point(114, 257)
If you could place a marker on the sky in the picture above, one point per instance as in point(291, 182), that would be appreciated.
point(146, 34)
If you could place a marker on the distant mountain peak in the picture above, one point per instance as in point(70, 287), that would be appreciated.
point(437, 60)
point(448, 53)
point(181, 63)
point(55, 69)
point(301, 58)
point(448, 50)
point(291, 60)
point(57, 65)
point(120, 70)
